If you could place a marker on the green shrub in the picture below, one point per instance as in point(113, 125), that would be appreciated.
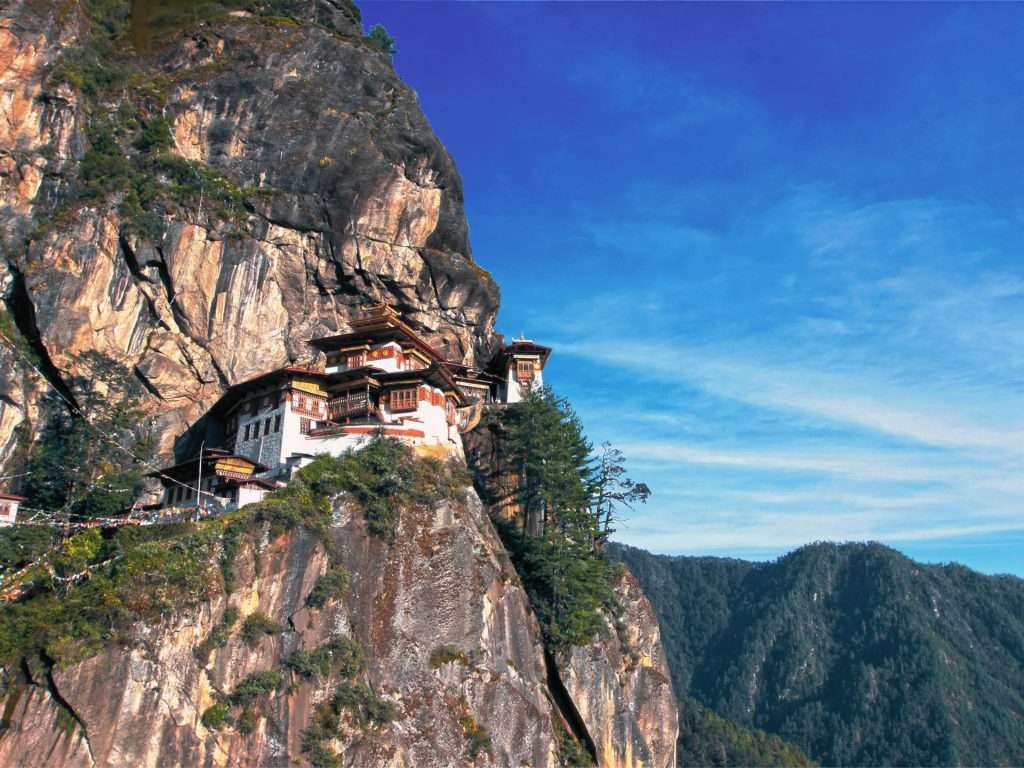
point(255, 685)
point(367, 707)
point(257, 625)
point(160, 570)
point(383, 477)
point(329, 587)
point(342, 656)
point(217, 716)
point(320, 756)
point(571, 753)
point(379, 38)
point(247, 721)
point(23, 544)
point(445, 654)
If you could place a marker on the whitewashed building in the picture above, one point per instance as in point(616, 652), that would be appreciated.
point(381, 378)
point(9, 504)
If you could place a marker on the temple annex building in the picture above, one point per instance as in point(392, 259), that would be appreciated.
point(381, 378)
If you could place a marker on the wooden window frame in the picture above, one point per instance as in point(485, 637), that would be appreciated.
point(305, 425)
point(404, 399)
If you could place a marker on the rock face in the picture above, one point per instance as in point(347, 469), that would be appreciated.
point(622, 689)
point(349, 200)
point(356, 201)
point(443, 580)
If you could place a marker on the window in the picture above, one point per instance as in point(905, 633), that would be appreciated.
point(248, 427)
point(277, 423)
point(304, 426)
point(254, 406)
point(255, 430)
point(302, 403)
point(5, 510)
point(266, 426)
point(524, 368)
point(404, 399)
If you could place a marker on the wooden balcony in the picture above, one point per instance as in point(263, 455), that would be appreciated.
point(354, 406)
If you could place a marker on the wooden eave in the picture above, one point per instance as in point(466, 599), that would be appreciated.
point(210, 456)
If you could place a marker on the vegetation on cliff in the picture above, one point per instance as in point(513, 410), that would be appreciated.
point(90, 590)
point(91, 456)
point(568, 499)
point(853, 652)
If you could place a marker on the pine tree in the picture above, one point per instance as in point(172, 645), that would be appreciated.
point(565, 494)
point(89, 459)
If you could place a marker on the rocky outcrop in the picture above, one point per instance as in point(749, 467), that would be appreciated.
point(442, 582)
point(622, 689)
point(349, 199)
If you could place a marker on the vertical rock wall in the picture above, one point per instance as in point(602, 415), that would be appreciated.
point(351, 200)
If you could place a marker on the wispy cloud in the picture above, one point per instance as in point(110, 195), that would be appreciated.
point(870, 388)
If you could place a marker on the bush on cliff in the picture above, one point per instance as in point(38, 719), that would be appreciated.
point(329, 587)
point(382, 478)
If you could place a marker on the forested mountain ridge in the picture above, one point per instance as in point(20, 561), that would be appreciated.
point(853, 652)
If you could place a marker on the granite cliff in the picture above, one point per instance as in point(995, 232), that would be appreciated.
point(449, 641)
point(196, 212)
point(325, 189)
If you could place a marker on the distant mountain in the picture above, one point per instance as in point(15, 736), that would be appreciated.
point(854, 652)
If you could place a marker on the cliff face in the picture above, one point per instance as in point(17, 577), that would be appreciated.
point(320, 189)
point(621, 686)
point(449, 640)
point(349, 198)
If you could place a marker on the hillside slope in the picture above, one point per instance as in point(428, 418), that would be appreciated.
point(855, 653)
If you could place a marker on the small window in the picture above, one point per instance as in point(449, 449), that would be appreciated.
point(248, 431)
point(404, 399)
point(277, 423)
point(266, 426)
point(304, 426)
point(254, 406)
point(302, 403)
point(255, 430)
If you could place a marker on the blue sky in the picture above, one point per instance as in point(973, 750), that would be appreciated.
point(777, 249)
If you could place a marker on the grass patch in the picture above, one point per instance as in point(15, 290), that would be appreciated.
point(366, 709)
point(382, 478)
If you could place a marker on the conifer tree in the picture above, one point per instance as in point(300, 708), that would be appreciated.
point(89, 459)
